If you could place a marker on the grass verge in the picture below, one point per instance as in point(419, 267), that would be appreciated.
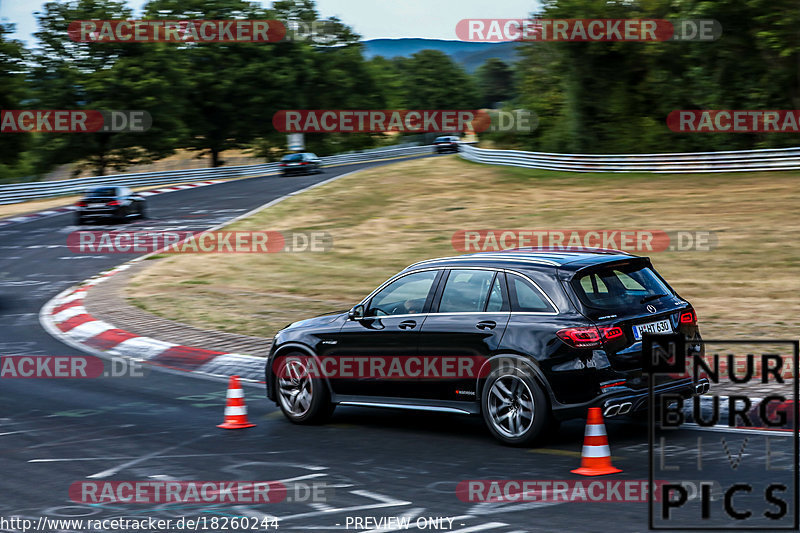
point(385, 218)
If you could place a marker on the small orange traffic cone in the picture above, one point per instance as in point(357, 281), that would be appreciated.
point(235, 409)
point(596, 455)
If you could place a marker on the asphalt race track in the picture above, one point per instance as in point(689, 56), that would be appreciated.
point(372, 463)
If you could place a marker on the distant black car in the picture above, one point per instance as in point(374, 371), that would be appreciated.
point(110, 202)
point(447, 143)
point(553, 332)
point(302, 163)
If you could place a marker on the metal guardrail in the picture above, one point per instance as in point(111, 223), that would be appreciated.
point(678, 163)
point(20, 192)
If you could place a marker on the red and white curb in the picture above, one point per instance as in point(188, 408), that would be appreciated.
point(66, 209)
point(66, 318)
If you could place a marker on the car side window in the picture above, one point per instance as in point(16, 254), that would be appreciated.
point(525, 297)
point(406, 295)
point(466, 291)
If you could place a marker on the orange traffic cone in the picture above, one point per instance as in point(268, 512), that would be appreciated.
point(596, 455)
point(235, 409)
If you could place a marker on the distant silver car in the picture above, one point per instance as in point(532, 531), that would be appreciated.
point(301, 163)
point(446, 143)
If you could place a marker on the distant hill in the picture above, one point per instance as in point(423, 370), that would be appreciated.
point(469, 55)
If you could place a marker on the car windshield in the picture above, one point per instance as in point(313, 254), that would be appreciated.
point(442, 139)
point(102, 192)
point(619, 286)
point(293, 157)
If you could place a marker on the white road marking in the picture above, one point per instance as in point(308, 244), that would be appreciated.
point(747, 431)
point(481, 527)
point(384, 502)
point(68, 459)
point(115, 470)
point(71, 440)
point(298, 478)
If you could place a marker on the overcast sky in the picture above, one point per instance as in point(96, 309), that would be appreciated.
point(373, 19)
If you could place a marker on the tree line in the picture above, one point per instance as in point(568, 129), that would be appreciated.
point(598, 97)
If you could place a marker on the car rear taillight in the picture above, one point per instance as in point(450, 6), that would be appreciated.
point(81, 203)
point(688, 317)
point(282, 165)
point(305, 163)
point(113, 203)
point(581, 337)
point(589, 337)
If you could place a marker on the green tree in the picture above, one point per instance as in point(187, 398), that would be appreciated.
point(102, 76)
point(495, 82)
point(231, 89)
point(432, 80)
point(13, 87)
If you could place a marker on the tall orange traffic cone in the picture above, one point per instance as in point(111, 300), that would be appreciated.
point(596, 455)
point(235, 409)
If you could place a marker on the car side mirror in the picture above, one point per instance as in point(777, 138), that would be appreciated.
point(356, 313)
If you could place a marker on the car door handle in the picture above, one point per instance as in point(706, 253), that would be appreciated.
point(486, 324)
point(407, 324)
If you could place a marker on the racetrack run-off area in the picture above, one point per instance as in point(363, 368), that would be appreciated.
point(161, 426)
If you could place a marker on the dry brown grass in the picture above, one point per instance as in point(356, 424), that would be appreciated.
point(385, 218)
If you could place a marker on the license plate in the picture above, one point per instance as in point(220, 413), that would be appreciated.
point(97, 205)
point(660, 327)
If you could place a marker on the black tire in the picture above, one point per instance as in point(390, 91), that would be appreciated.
point(314, 411)
point(142, 211)
point(527, 397)
point(79, 220)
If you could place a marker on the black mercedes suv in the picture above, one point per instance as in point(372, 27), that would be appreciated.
point(525, 338)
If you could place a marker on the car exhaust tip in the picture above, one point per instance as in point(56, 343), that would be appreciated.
point(611, 410)
point(624, 408)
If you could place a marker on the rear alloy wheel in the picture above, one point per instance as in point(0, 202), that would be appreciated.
point(303, 399)
point(515, 407)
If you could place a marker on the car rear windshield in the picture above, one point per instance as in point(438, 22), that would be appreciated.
point(102, 192)
point(442, 139)
point(293, 157)
point(619, 286)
